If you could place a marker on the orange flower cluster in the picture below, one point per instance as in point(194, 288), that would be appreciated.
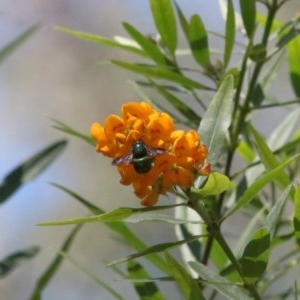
point(180, 157)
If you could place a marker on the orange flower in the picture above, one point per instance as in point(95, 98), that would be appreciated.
point(150, 155)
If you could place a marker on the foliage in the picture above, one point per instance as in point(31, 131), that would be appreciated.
point(26, 171)
point(259, 189)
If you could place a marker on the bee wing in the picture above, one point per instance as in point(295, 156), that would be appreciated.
point(123, 160)
point(152, 152)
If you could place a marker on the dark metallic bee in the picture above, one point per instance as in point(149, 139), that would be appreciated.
point(141, 157)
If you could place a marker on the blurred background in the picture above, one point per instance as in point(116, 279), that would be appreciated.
point(55, 75)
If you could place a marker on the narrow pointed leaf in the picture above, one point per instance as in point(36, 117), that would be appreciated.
point(229, 33)
point(145, 290)
point(54, 265)
point(279, 139)
point(255, 188)
point(178, 104)
point(223, 286)
point(164, 18)
point(115, 215)
point(296, 219)
point(256, 254)
point(286, 36)
point(101, 40)
point(269, 160)
point(216, 121)
point(91, 207)
point(143, 217)
point(280, 136)
point(155, 249)
point(245, 235)
point(248, 10)
point(12, 261)
point(245, 151)
point(69, 130)
point(29, 169)
point(149, 47)
point(268, 78)
point(160, 73)
point(16, 43)
point(293, 49)
point(90, 274)
point(121, 229)
point(183, 21)
point(188, 285)
point(193, 250)
point(152, 279)
point(112, 216)
point(272, 219)
point(198, 41)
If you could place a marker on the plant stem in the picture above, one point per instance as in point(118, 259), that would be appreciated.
point(214, 231)
point(245, 108)
point(236, 130)
point(222, 242)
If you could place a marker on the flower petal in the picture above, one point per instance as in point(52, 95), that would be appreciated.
point(150, 200)
point(113, 125)
point(138, 110)
point(97, 132)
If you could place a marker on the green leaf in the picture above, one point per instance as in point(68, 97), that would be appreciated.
point(223, 286)
point(145, 290)
point(256, 218)
point(198, 41)
point(277, 140)
point(91, 275)
point(267, 78)
point(286, 37)
point(216, 121)
point(184, 109)
point(296, 219)
point(54, 265)
point(164, 18)
point(16, 43)
point(69, 130)
point(245, 151)
point(183, 22)
point(29, 169)
point(255, 188)
point(186, 283)
point(248, 10)
point(216, 184)
point(149, 47)
point(91, 207)
point(194, 247)
point(280, 136)
point(115, 215)
point(120, 228)
point(142, 217)
point(273, 218)
point(229, 33)
point(256, 254)
point(269, 160)
point(190, 251)
point(154, 249)
point(293, 49)
point(100, 40)
point(160, 73)
point(9, 263)
point(152, 279)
